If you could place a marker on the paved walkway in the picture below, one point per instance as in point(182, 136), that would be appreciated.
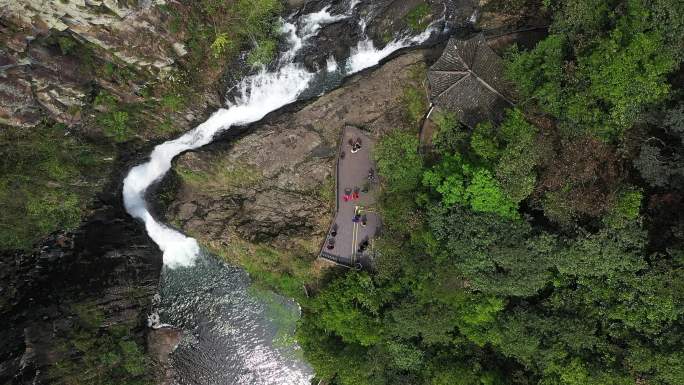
point(349, 236)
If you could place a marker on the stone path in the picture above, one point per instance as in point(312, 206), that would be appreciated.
point(352, 174)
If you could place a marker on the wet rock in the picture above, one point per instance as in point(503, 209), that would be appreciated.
point(333, 41)
point(385, 20)
point(162, 342)
point(295, 4)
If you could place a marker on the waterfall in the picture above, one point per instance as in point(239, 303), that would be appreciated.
point(259, 95)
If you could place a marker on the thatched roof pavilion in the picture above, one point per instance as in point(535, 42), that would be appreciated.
point(469, 80)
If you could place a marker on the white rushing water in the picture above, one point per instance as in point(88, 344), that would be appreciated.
point(261, 94)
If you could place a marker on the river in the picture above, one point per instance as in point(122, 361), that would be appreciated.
point(233, 333)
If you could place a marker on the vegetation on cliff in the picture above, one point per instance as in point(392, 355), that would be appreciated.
point(93, 353)
point(43, 174)
point(545, 250)
point(51, 172)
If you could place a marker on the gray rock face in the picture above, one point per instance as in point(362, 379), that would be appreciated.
point(292, 158)
point(38, 78)
point(109, 262)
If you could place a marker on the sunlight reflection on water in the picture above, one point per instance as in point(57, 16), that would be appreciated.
point(229, 332)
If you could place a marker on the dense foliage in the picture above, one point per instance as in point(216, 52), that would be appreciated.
point(547, 249)
point(604, 63)
point(42, 175)
point(218, 29)
point(90, 353)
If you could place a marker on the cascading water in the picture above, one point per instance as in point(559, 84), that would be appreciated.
point(228, 333)
point(260, 94)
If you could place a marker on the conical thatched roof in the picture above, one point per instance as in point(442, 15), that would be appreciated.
point(469, 79)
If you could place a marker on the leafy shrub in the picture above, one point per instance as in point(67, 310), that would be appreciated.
point(399, 163)
point(626, 209)
point(263, 53)
point(67, 44)
point(221, 45)
point(115, 125)
point(42, 174)
point(418, 18)
point(172, 102)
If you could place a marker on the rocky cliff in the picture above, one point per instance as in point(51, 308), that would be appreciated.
point(73, 66)
point(272, 188)
point(56, 57)
point(106, 271)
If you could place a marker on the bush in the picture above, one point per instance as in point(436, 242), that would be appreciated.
point(43, 173)
point(92, 354)
point(399, 163)
point(418, 18)
point(115, 125)
point(263, 53)
point(626, 209)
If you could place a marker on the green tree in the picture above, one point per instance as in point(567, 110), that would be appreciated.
point(399, 163)
point(350, 308)
point(485, 195)
point(515, 170)
point(538, 74)
point(494, 254)
point(601, 68)
point(448, 180)
point(626, 209)
point(485, 143)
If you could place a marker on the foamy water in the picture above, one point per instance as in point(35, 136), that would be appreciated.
point(260, 94)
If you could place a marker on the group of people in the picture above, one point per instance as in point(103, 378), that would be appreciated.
point(350, 195)
point(360, 218)
point(355, 145)
point(331, 239)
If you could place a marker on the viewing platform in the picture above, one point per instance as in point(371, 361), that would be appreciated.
point(349, 241)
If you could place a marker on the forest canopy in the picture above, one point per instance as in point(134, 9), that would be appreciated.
point(547, 249)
